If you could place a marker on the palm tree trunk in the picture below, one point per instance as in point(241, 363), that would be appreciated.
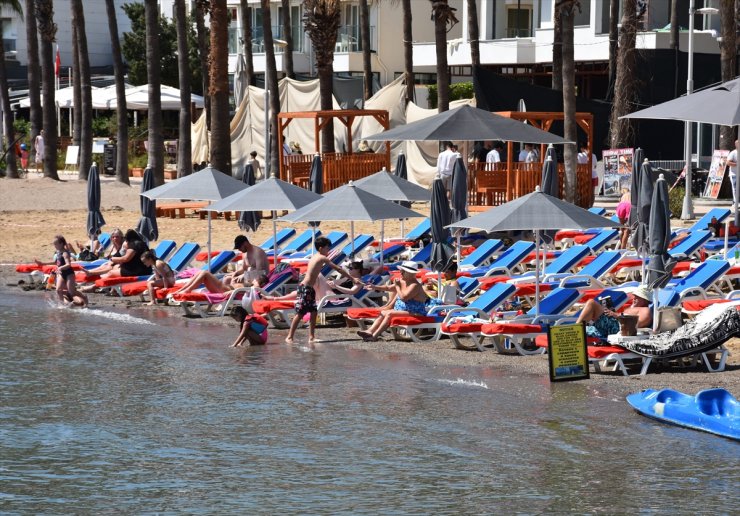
point(76, 90)
point(184, 150)
point(440, 10)
point(246, 20)
point(121, 115)
point(153, 63)
point(624, 88)
point(674, 44)
point(201, 9)
point(569, 104)
point(10, 157)
point(367, 67)
point(728, 58)
point(86, 136)
point(557, 50)
point(408, 51)
point(473, 33)
point(34, 80)
point(271, 85)
point(219, 87)
point(44, 12)
point(613, 45)
point(288, 37)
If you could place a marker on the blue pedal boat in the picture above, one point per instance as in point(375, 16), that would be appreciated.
point(713, 410)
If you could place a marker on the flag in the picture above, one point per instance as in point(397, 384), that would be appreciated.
point(57, 63)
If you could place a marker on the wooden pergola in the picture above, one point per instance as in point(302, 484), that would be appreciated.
point(494, 184)
point(338, 168)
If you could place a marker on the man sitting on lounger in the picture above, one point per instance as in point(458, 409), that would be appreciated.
point(253, 264)
point(602, 321)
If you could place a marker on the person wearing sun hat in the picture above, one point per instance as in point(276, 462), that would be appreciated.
point(410, 300)
point(601, 321)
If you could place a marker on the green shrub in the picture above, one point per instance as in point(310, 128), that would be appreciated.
point(458, 91)
point(675, 201)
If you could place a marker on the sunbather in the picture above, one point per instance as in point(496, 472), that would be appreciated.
point(164, 276)
point(410, 300)
point(350, 286)
point(117, 249)
point(450, 286)
point(127, 264)
point(254, 262)
point(602, 321)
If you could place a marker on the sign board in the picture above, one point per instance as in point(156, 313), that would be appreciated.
point(716, 173)
point(109, 158)
point(566, 352)
point(617, 170)
point(99, 145)
point(73, 155)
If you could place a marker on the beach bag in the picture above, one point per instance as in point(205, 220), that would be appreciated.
point(280, 269)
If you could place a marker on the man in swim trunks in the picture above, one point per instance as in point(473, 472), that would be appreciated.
point(410, 300)
point(306, 299)
point(602, 322)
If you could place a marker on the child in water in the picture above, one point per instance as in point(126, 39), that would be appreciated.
point(65, 275)
point(253, 328)
point(164, 276)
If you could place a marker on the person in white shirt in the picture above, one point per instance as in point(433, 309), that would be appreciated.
point(445, 164)
point(582, 159)
point(286, 147)
point(494, 156)
point(732, 163)
point(528, 154)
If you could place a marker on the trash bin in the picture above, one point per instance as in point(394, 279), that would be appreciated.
point(109, 159)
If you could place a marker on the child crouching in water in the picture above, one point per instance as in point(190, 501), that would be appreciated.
point(164, 276)
point(65, 275)
point(253, 328)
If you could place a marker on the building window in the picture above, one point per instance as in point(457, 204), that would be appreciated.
point(545, 13)
point(584, 16)
point(519, 22)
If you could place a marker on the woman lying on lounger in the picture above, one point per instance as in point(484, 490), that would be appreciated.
point(410, 300)
point(215, 285)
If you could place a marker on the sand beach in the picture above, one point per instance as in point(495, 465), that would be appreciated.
point(34, 209)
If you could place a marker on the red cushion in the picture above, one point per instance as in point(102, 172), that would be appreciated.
point(510, 328)
point(263, 306)
point(118, 280)
point(412, 320)
point(462, 327)
point(531, 256)
point(541, 340)
point(582, 239)
point(528, 289)
point(567, 233)
point(629, 262)
point(190, 296)
point(162, 293)
point(486, 283)
point(134, 288)
point(602, 351)
point(26, 267)
point(363, 313)
point(697, 305)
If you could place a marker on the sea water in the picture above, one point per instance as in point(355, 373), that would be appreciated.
point(143, 411)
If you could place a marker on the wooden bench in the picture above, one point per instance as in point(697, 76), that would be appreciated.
point(203, 214)
point(178, 209)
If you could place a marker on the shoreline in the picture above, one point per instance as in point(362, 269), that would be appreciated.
point(442, 353)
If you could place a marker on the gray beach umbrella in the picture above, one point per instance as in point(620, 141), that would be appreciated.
point(536, 212)
point(147, 226)
point(550, 183)
point(637, 160)
point(551, 152)
point(440, 217)
point(241, 86)
point(392, 187)
point(95, 219)
point(459, 198)
point(403, 174)
point(644, 199)
point(467, 123)
point(249, 219)
point(660, 264)
point(271, 194)
point(316, 177)
point(208, 184)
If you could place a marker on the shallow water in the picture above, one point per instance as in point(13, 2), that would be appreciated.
point(107, 412)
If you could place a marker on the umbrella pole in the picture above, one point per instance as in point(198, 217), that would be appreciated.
point(403, 233)
point(313, 239)
point(209, 241)
point(727, 234)
point(459, 238)
point(352, 236)
point(537, 273)
point(382, 236)
point(274, 241)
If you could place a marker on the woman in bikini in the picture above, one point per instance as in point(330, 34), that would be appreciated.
point(410, 300)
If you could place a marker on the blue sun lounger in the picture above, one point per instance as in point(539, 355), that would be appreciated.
point(282, 236)
point(299, 243)
point(590, 275)
point(335, 238)
point(360, 243)
point(696, 284)
point(703, 223)
point(482, 254)
point(690, 245)
point(507, 261)
point(563, 264)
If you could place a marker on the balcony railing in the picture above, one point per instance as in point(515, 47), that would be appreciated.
point(348, 39)
point(513, 32)
point(258, 40)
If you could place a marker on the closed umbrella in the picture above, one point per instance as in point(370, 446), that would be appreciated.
point(637, 160)
point(402, 173)
point(644, 200)
point(316, 185)
point(271, 194)
point(536, 211)
point(147, 226)
point(249, 219)
point(241, 85)
point(661, 264)
point(95, 219)
point(550, 183)
point(440, 217)
point(459, 198)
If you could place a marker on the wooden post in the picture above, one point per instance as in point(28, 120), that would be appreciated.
point(509, 166)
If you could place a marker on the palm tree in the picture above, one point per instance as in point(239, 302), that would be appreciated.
point(184, 152)
point(76, 90)
point(34, 78)
point(674, 44)
point(202, 8)
point(246, 20)
point(473, 33)
point(12, 167)
point(557, 50)
point(44, 12)
point(86, 136)
point(271, 85)
point(121, 117)
point(613, 45)
point(156, 140)
point(321, 19)
point(218, 88)
point(728, 59)
point(367, 67)
point(442, 15)
point(567, 13)
point(624, 88)
point(288, 37)
point(408, 50)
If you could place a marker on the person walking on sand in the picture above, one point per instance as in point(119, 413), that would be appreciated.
point(66, 285)
point(38, 146)
point(306, 293)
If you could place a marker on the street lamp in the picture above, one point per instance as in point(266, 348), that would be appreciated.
point(687, 212)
